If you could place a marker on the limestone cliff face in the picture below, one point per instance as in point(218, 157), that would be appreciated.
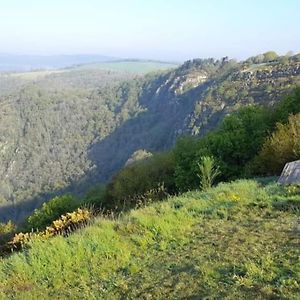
point(213, 89)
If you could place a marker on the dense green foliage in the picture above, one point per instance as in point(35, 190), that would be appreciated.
point(51, 211)
point(239, 139)
point(240, 136)
point(283, 146)
point(234, 241)
point(94, 197)
point(6, 232)
point(151, 179)
point(234, 144)
point(289, 105)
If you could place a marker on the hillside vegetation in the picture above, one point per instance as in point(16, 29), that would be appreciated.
point(66, 131)
point(236, 241)
point(178, 223)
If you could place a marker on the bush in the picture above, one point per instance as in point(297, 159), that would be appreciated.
point(139, 179)
point(238, 141)
point(287, 203)
point(50, 211)
point(234, 144)
point(62, 226)
point(95, 196)
point(270, 56)
point(6, 231)
point(187, 153)
point(296, 57)
point(283, 146)
point(290, 104)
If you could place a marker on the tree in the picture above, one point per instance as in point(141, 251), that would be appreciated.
point(138, 178)
point(187, 152)
point(296, 57)
point(258, 59)
point(289, 53)
point(289, 105)
point(239, 139)
point(270, 56)
point(284, 60)
point(233, 145)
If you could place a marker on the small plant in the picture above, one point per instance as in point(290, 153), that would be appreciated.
point(293, 189)
point(68, 222)
point(208, 172)
point(153, 195)
point(7, 231)
point(21, 239)
point(7, 227)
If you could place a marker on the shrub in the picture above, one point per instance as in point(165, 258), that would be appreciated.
point(6, 231)
point(234, 144)
point(51, 211)
point(293, 189)
point(284, 203)
point(135, 180)
point(7, 227)
point(95, 196)
point(187, 153)
point(290, 104)
point(283, 146)
point(270, 56)
point(63, 225)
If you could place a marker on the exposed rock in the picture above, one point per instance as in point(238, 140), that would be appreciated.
point(290, 173)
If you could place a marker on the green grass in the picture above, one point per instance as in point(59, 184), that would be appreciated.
point(131, 66)
point(34, 75)
point(232, 242)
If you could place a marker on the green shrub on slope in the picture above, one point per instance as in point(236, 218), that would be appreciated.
point(51, 211)
point(151, 178)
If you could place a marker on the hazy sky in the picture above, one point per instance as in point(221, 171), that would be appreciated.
point(158, 29)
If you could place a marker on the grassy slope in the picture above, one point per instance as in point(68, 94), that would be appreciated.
point(229, 243)
point(137, 67)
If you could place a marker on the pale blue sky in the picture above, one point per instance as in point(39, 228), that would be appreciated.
point(158, 29)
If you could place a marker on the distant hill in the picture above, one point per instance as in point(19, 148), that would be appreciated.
point(25, 63)
point(65, 130)
point(131, 66)
point(10, 62)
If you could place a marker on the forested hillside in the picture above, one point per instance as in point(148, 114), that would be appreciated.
point(66, 130)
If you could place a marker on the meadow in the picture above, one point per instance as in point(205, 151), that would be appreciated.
point(238, 240)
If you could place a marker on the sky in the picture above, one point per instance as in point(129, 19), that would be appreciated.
point(173, 30)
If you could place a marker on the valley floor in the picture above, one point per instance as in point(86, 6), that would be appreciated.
point(236, 241)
